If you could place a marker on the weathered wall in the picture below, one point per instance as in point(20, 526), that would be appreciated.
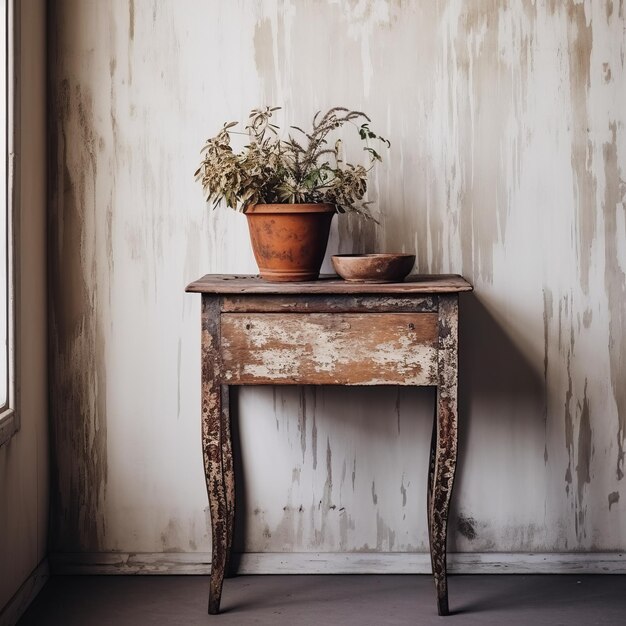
point(507, 165)
point(24, 459)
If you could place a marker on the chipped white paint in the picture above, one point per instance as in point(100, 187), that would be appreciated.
point(330, 348)
point(507, 164)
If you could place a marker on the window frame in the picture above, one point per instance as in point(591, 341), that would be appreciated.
point(9, 413)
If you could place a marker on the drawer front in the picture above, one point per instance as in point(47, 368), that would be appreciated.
point(329, 349)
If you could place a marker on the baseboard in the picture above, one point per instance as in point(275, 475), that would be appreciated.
point(22, 598)
point(340, 563)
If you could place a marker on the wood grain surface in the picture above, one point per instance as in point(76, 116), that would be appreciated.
point(328, 303)
point(416, 283)
point(329, 349)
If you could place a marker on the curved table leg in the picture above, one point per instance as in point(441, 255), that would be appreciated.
point(229, 475)
point(443, 447)
point(216, 449)
point(431, 474)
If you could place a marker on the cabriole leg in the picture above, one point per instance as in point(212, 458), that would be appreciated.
point(229, 475)
point(443, 453)
point(214, 443)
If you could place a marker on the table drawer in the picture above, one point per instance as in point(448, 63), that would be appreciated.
point(329, 349)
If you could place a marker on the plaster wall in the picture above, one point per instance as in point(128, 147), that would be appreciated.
point(24, 459)
point(507, 165)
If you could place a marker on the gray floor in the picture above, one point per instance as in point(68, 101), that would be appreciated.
point(328, 600)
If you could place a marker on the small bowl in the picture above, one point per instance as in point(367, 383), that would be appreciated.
point(373, 268)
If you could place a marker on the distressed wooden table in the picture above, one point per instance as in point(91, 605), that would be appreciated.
point(327, 332)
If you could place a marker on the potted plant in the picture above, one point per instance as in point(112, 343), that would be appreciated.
point(289, 188)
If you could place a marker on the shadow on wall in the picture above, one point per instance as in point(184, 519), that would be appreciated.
point(336, 441)
point(495, 375)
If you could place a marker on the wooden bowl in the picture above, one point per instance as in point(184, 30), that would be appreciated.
point(373, 268)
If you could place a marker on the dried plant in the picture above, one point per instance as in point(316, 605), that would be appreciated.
point(302, 168)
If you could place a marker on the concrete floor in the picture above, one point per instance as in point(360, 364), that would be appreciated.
point(328, 600)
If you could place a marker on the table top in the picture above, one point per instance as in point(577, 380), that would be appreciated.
point(328, 284)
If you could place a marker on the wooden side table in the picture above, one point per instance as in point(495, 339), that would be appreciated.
point(327, 332)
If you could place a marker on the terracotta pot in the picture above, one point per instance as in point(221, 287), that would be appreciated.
point(289, 240)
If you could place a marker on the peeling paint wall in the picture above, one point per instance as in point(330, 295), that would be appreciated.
point(507, 165)
point(24, 459)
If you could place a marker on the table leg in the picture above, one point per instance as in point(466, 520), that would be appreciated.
point(443, 451)
point(216, 448)
point(229, 475)
point(431, 474)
